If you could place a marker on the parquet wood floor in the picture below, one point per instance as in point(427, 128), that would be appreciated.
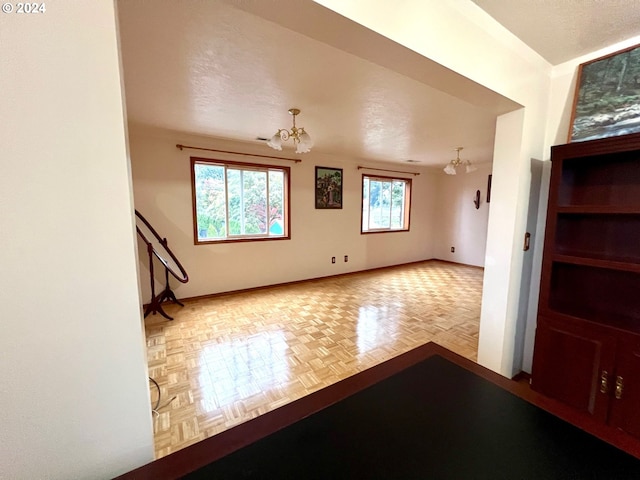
point(230, 358)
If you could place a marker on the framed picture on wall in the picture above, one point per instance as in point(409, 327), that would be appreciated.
point(328, 187)
point(607, 98)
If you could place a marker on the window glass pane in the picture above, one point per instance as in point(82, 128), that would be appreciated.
point(385, 205)
point(210, 204)
point(380, 204)
point(254, 202)
point(234, 202)
point(375, 190)
point(397, 204)
point(276, 203)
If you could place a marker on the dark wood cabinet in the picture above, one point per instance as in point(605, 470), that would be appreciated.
point(573, 364)
point(625, 410)
point(587, 347)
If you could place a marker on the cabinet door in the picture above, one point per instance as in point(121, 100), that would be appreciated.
point(625, 403)
point(573, 363)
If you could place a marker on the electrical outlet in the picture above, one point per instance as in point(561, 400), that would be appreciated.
point(333, 259)
point(346, 258)
point(453, 249)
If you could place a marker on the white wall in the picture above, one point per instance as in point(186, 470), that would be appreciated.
point(74, 389)
point(458, 223)
point(162, 193)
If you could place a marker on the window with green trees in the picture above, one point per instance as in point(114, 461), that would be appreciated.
point(239, 201)
point(386, 204)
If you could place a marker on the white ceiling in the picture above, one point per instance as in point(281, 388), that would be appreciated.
point(560, 30)
point(213, 69)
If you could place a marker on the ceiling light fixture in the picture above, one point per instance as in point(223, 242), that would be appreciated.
point(301, 139)
point(452, 166)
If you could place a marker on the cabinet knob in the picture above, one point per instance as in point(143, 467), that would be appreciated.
point(604, 382)
point(619, 387)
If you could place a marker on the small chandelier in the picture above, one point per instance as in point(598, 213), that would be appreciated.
point(451, 168)
point(301, 139)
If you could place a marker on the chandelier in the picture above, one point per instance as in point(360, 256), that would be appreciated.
point(301, 139)
point(452, 166)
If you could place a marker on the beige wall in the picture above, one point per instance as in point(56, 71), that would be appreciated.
point(75, 397)
point(458, 223)
point(162, 193)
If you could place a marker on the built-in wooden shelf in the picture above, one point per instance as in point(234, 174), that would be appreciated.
point(587, 348)
point(599, 209)
point(598, 263)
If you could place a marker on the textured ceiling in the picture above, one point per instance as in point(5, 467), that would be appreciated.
point(212, 69)
point(560, 30)
point(230, 69)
